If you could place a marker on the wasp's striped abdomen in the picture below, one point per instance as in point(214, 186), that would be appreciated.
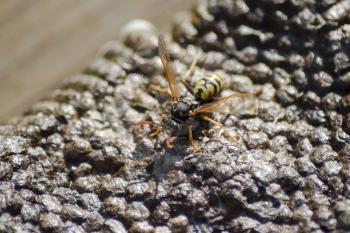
point(209, 86)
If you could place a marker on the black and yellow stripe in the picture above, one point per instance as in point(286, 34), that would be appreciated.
point(209, 86)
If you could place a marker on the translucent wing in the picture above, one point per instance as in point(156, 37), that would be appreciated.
point(236, 103)
point(168, 68)
point(241, 106)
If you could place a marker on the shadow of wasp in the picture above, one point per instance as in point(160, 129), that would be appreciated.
point(186, 114)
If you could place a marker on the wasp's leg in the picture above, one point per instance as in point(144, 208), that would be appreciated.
point(188, 87)
point(159, 127)
point(190, 70)
point(214, 122)
point(151, 123)
point(188, 74)
point(156, 132)
point(223, 129)
point(144, 122)
point(160, 89)
point(190, 135)
point(257, 91)
point(169, 142)
point(192, 141)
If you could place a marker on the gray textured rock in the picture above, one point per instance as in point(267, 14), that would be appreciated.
point(77, 162)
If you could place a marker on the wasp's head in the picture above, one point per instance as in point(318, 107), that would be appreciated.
point(180, 111)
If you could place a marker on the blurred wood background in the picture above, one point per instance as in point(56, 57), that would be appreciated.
point(45, 41)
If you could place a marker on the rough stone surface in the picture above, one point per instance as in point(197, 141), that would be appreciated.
point(77, 162)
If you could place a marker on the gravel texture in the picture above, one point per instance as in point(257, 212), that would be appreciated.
point(77, 162)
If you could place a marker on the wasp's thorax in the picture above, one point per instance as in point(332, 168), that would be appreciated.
point(179, 114)
point(180, 111)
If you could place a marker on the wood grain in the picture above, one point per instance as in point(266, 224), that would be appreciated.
point(45, 41)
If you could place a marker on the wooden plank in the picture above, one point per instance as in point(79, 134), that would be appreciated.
point(49, 40)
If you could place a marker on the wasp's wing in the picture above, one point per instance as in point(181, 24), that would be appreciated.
point(168, 68)
point(236, 103)
point(242, 106)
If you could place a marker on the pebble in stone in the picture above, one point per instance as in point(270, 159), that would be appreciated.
point(299, 78)
point(115, 205)
point(76, 149)
point(94, 221)
point(280, 77)
point(73, 212)
point(90, 201)
point(14, 145)
point(115, 185)
point(114, 226)
point(345, 103)
point(264, 172)
point(279, 143)
point(303, 148)
point(340, 137)
point(233, 66)
point(136, 211)
point(138, 189)
point(344, 80)
point(343, 214)
point(320, 135)
point(142, 227)
point(316, 117)
point(110, 71)
point(184, 30)
point(66, 195)
point(162, 229)
point(50, 203)
point(51, 222)
point(335, 119)
point(72, 227)
point(259, 72)
point(30, 212)
point(255, 140)
point(311, 99)
point(321, 154)
point(178, 223)
point(270, 111)
point(331, 101)
point(84, 169)
point(288, 175)
point(305, 166)
point(87, 184)
point(314, 184)
point(287, 94)
point(161, 214)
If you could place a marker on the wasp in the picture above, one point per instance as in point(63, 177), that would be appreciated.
point(185, 114)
